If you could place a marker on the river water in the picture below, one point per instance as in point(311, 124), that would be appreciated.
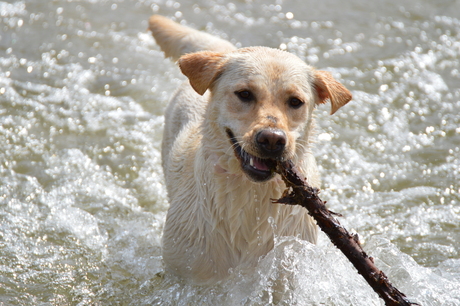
point(83, 87)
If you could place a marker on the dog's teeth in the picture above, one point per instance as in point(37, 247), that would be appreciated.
point(251, 162)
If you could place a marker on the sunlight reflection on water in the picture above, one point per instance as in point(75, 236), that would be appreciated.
point(83, 87)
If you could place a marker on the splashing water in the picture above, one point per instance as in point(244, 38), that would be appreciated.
point(83, 87)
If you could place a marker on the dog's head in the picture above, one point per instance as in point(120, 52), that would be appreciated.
point(262, 102)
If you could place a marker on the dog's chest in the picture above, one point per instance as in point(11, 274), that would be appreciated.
point(241, 213)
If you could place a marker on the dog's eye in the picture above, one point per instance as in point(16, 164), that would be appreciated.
point(244, 95)
point(295, 103)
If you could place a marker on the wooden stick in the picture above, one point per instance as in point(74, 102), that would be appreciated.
point(300, 193)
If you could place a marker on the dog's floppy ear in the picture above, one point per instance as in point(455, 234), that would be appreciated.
point(201, 68)
point(330, 89)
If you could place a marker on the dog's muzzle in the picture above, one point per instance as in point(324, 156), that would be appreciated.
point(270, 143)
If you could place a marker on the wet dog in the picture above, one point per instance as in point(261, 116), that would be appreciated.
point(240, 111)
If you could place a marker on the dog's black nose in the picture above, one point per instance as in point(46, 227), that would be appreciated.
point(271, 142)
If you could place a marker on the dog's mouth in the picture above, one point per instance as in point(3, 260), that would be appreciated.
point(256, 168)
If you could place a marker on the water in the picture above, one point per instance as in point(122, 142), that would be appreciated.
point(83, 87)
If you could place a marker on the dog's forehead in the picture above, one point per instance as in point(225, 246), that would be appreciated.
point(269, 62)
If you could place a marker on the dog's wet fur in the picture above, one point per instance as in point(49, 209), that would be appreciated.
point(239, 112)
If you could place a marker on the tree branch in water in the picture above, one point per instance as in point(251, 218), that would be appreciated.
point(300, 193)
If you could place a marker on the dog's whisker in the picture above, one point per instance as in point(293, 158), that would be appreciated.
point(302, 146)
point(233, 146)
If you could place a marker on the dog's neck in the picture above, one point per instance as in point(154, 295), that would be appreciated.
point(238, 210)
point(238, 222)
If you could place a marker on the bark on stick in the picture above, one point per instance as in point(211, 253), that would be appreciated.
point(300, 193)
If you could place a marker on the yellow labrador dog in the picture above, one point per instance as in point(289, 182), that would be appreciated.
point(239, 112)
